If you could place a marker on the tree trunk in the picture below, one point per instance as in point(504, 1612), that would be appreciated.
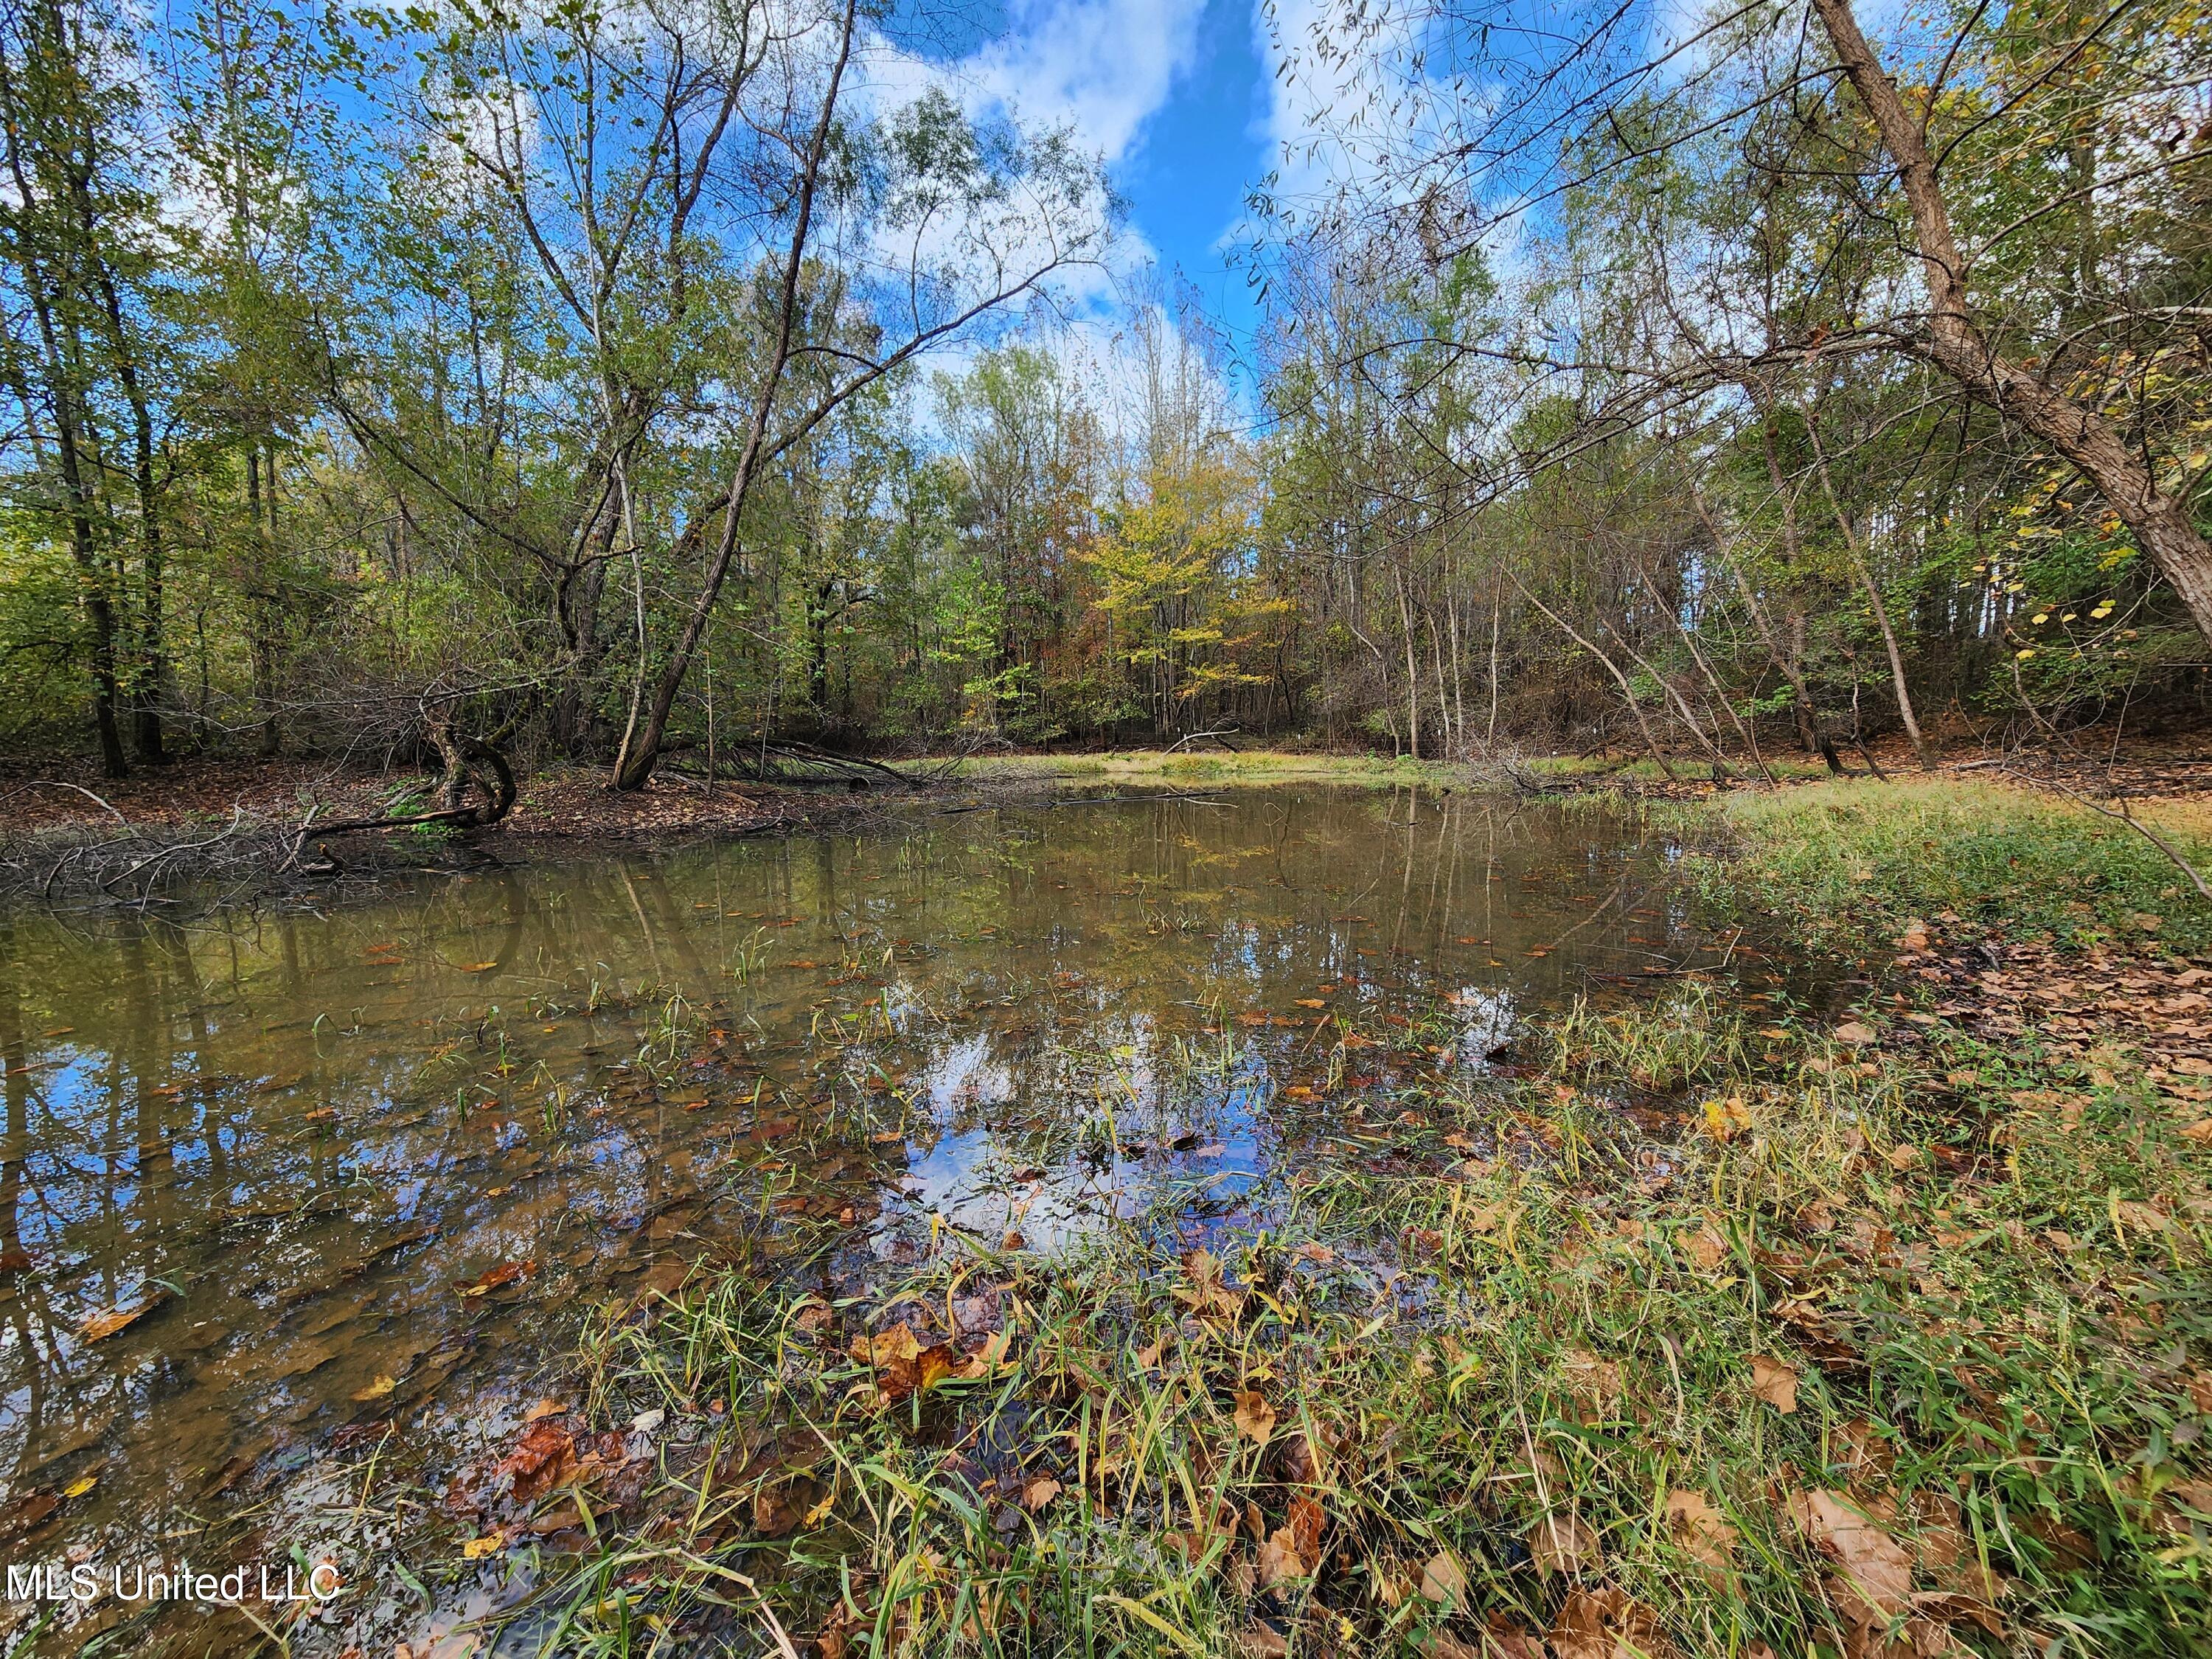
point(1921, 752)
point(638, 763)
point(1816, 740)
point(1955, 343)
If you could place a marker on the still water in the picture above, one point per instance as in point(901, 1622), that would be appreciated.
point(288, 1190)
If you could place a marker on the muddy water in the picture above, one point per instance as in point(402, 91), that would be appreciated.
point(287, 1192)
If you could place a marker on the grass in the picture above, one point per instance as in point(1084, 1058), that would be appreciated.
point(1852, 859)
point(1893, 1349)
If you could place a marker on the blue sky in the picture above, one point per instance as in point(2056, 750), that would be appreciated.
point(1179, 96)
point(1197, 156)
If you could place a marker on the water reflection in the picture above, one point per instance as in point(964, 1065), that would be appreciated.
point(278, 1180)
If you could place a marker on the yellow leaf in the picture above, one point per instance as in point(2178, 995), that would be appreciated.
point(476, 1548)
point(378, 1389)
point(82, 1485)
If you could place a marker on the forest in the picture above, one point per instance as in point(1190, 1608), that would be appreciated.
point(673, 379)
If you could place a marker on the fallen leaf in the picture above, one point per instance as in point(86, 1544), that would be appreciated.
point(1280, 1559)
point(498, 1278)
point(1774, 1382)
point(478, 967)
point(887, 1347)
point(378, 1389)
point(476, 1548)
point(1256, 1417)
point(82, 1485)
point(1594, 1382)
point(542, 1408)
point(1443, 1579)
point(1698, 1529)
point(1562, 1544)
point(1039, 1491)
point(1707, 1247)
point(1854, 1033)
point(1724, 1120)
point(101, 1325)
point(779, 1510)
point(1875, 1568)
point(543, 1458)
point(1606, 1623)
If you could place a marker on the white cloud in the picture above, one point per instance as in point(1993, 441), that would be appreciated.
point(1100, 68)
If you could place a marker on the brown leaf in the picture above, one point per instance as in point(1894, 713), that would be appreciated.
point(1261, 1640)
point(1875, 1568)
point(1594, 1382)
point(1774, 1382)
point(779, 1509)
point(498, 1278)
point(1564, 1544)
point(1698, 1530)
point(1038, 1490)
point(1443, 1579)
point(1280, 1559)
point(1606, 1623)
point(1851, 1032)
point(1256, 1417)
point(101, 1325)
point(543, 1459)
point(1707, 1246)
point(1308, 1521)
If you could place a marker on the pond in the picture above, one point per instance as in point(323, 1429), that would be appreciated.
point(294, 1195)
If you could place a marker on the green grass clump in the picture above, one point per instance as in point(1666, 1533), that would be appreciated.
point(1591, 1380)
point(1855, 862)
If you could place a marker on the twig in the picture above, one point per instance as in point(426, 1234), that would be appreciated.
point(51, 783)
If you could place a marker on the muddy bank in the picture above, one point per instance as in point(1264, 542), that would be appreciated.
point(250, 829)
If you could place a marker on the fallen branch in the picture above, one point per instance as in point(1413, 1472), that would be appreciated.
point(2173, 853)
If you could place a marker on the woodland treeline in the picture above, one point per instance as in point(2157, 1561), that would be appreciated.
point(618, 384)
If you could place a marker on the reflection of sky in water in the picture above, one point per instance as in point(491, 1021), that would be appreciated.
point(307, 1130)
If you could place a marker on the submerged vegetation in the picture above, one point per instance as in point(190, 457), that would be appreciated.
point(1684, 1328)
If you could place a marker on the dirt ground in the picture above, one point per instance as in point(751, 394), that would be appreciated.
point(567, 801)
